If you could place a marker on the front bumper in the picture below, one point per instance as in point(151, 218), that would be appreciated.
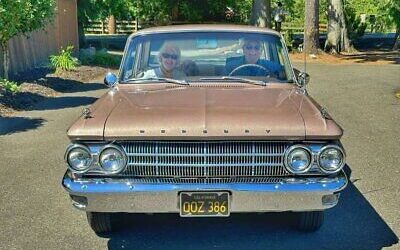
point(127, 195)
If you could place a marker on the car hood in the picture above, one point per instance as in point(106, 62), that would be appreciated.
point(277, 111)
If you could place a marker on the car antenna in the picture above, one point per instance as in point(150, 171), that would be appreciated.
point(305, 50)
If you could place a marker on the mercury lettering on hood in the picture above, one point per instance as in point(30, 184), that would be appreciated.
point(274, 112)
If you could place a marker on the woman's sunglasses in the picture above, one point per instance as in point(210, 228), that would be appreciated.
point(168, 56)
point(249, 47)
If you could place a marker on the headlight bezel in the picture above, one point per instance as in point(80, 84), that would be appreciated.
point(80, 146)
point(286, 159)
point(343, 162)
point(120, 150)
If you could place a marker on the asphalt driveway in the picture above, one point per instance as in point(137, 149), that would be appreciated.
point(35, 212)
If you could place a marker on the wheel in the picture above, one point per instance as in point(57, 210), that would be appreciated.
point(310, 221)
point(244, 66)
point(100, 222)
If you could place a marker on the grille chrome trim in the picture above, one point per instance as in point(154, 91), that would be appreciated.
point(182, 159)
point(155, 180)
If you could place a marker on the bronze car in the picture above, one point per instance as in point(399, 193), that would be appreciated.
point(205, 120)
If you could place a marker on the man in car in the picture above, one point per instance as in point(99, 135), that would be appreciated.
point(255, 65)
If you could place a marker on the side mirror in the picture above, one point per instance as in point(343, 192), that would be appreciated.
point(110, 80)
point(303, 79)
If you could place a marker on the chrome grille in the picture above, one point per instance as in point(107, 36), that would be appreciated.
point(204, 159)
point(243, 180)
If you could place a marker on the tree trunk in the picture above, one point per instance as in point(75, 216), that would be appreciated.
point(396, 39)
point(6, 61)
point(81, 35)
point(337, 38)
point(111, 24)
point(175, 11)
point(311, 29)
point(261, 13)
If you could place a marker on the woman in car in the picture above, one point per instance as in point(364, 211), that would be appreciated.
point(169, 58)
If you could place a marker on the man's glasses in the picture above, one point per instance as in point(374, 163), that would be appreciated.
point(168, 56)
point(250, 47)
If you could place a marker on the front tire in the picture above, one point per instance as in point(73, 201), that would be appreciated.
point(100, 222)
point(310, 221)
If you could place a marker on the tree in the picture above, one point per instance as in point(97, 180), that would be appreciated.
point(392, 8)
point(242, 10)
point(86, 11)
point(337, 38)
point(110, 10)
point(261, 13)
point(104, 10)
point(355, 26)
point(19, 17)
point(311, 27)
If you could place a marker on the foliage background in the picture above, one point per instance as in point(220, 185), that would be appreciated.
point(385, 12)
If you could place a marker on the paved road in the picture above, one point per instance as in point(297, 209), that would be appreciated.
point(35, 212)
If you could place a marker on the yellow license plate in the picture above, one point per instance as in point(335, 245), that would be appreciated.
point(196, 204)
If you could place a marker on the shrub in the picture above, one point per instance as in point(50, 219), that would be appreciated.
point(9, 86)
point(64, 61)
point(355, 27)
point(288, 36)
point(106, 60)
point(102, 59)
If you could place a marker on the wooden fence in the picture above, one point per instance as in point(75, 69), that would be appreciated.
point(128, 27)
point(299, 29)
point(101, 27)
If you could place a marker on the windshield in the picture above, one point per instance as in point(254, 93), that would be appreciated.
point(206, 56)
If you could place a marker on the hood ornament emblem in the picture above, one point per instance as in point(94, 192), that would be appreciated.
point(87, 113)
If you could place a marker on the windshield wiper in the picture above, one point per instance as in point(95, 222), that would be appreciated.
point(231, 78)
point(169, 80)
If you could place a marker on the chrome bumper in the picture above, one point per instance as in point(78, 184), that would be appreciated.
point(124, 195)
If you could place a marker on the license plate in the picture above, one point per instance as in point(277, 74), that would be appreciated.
point(196, 204)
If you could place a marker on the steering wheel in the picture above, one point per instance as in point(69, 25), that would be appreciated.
point(250, 65)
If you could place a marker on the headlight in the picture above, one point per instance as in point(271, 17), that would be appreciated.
point(331, 159)
point(78, 158)
point(112, 159)
point(298, 159)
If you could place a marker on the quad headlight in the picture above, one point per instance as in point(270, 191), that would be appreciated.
point(331, 159)
point(79, 158)
point(108, 159)
point(298, 159)
point(112, 159)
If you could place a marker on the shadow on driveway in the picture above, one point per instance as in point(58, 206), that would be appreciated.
point(9, 125)
point(64, 102)
point(353, 224)
point(71, 86)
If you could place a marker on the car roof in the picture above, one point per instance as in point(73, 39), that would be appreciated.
point(206, 28)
